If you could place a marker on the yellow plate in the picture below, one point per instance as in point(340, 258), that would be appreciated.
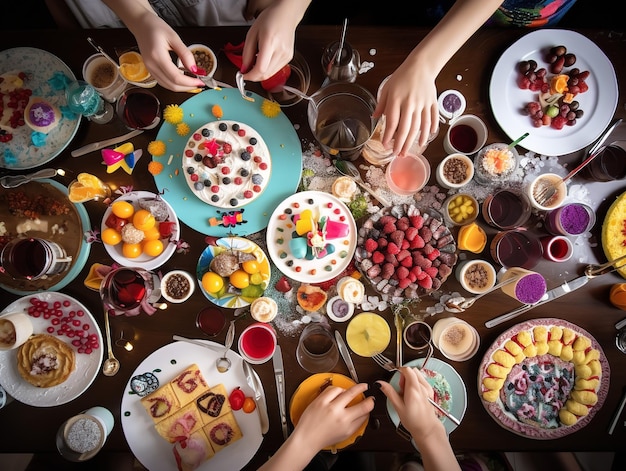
point(613, 238)
point(368, 334)
point(309, 389)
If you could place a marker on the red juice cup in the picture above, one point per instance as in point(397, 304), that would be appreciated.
point(407, 175)
point(257, 343)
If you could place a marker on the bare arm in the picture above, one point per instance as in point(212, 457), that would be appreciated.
point(409, 98)
point(327, 420)
point(419, 418)
point(155, 39)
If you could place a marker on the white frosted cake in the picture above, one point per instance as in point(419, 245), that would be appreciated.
point(226, 164)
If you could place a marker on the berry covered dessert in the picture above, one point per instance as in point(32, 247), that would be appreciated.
point(227, 164)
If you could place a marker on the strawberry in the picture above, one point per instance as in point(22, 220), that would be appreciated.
point(426, 283)
point(392, 248)
point(432, 272)
point(389, 228)
point(402, 273)
point(416, 221)
point(404, 283)
point(283, 285)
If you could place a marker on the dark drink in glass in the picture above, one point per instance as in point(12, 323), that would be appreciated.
point(139, 109)
point(506, 209)
point(516, 248)
point(211, 321)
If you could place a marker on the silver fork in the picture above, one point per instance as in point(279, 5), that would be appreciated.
point(385, 363)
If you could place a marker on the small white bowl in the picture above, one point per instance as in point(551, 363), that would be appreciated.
point(338, 309)
point(201, 48)
point(540, 183)
point(465, 268)
point(446, 167)
point(175, 276)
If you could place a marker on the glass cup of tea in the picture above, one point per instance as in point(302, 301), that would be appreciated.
point(340, 117)
point(211, 320)
point(466, 135)
point(128, 291)
point(506, 209)
point(317, 350)
point(104, 76)
point(139, 108)
point(516, 248)
point(31, 258)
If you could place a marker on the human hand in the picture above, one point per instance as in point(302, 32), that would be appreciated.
point(270, 41)
point(156, 39)
point(329, 419)
point(409, 102)
point(415, 412)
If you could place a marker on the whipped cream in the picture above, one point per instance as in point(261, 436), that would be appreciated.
point(226, 164)
point(351, 290)
point(263, 309)
point(344, 188)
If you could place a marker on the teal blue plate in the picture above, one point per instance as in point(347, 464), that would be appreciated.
point(281, 139)
point(78, 263)
point(458, 393)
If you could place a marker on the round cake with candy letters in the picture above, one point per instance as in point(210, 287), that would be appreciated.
point(226, 164)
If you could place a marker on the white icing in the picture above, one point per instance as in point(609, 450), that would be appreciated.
point(233, 194)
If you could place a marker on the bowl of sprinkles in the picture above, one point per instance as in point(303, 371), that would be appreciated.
point(311, 236)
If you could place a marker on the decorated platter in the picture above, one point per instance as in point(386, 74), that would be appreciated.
point(144, 260)
point(613, 239)
point(543, 379)
point(417, 239)
point(52, 195)
point(508, 101)
point(302, 213)
point(233, 298)
point(310, 388)
point(87, 365)
point(448, 385)
point(165, 363)
point(40, 67)
point(285, 151)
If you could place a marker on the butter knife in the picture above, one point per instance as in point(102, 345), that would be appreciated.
point(102, 144)
point(259, 397)
point(345, 354)
point(279, 374)
point(554, 293)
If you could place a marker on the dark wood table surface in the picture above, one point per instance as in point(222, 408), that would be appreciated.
point(33, 429)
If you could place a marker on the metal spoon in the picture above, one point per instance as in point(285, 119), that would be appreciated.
point(13, 181)
point(111, 365)
point(466, 303)
point(223, 363)
point(241, 85)
point(348, 169)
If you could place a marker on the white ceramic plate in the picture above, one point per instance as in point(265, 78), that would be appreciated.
point(143, 261)
point(507, 100)
point(144, 441)
point(40, 66)
point(87, 365)
point(232, 300)
point(458, 392)
point(281, 228)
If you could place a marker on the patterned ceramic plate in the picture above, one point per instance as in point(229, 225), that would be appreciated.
point(40, 67)
point(520, 357)
point(87, 365)
point(283, 240)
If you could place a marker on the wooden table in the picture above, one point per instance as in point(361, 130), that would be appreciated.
point(33, 429)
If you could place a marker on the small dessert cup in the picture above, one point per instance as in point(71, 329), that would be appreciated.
point(460, 209)
point(455, 171)
point(543, 184)
point(495, 163)
point(476, 276)
point(528, 288)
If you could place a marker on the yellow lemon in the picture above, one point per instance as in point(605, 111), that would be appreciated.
point(143, 220)
point(111, 237)
point(122, 209)
point(240, 279)
point(131, 250)
point(212, 282)
point(153, 248)
point(251, 266)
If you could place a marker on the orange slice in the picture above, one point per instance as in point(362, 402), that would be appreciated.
point(132, 67)
point(87, 187)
